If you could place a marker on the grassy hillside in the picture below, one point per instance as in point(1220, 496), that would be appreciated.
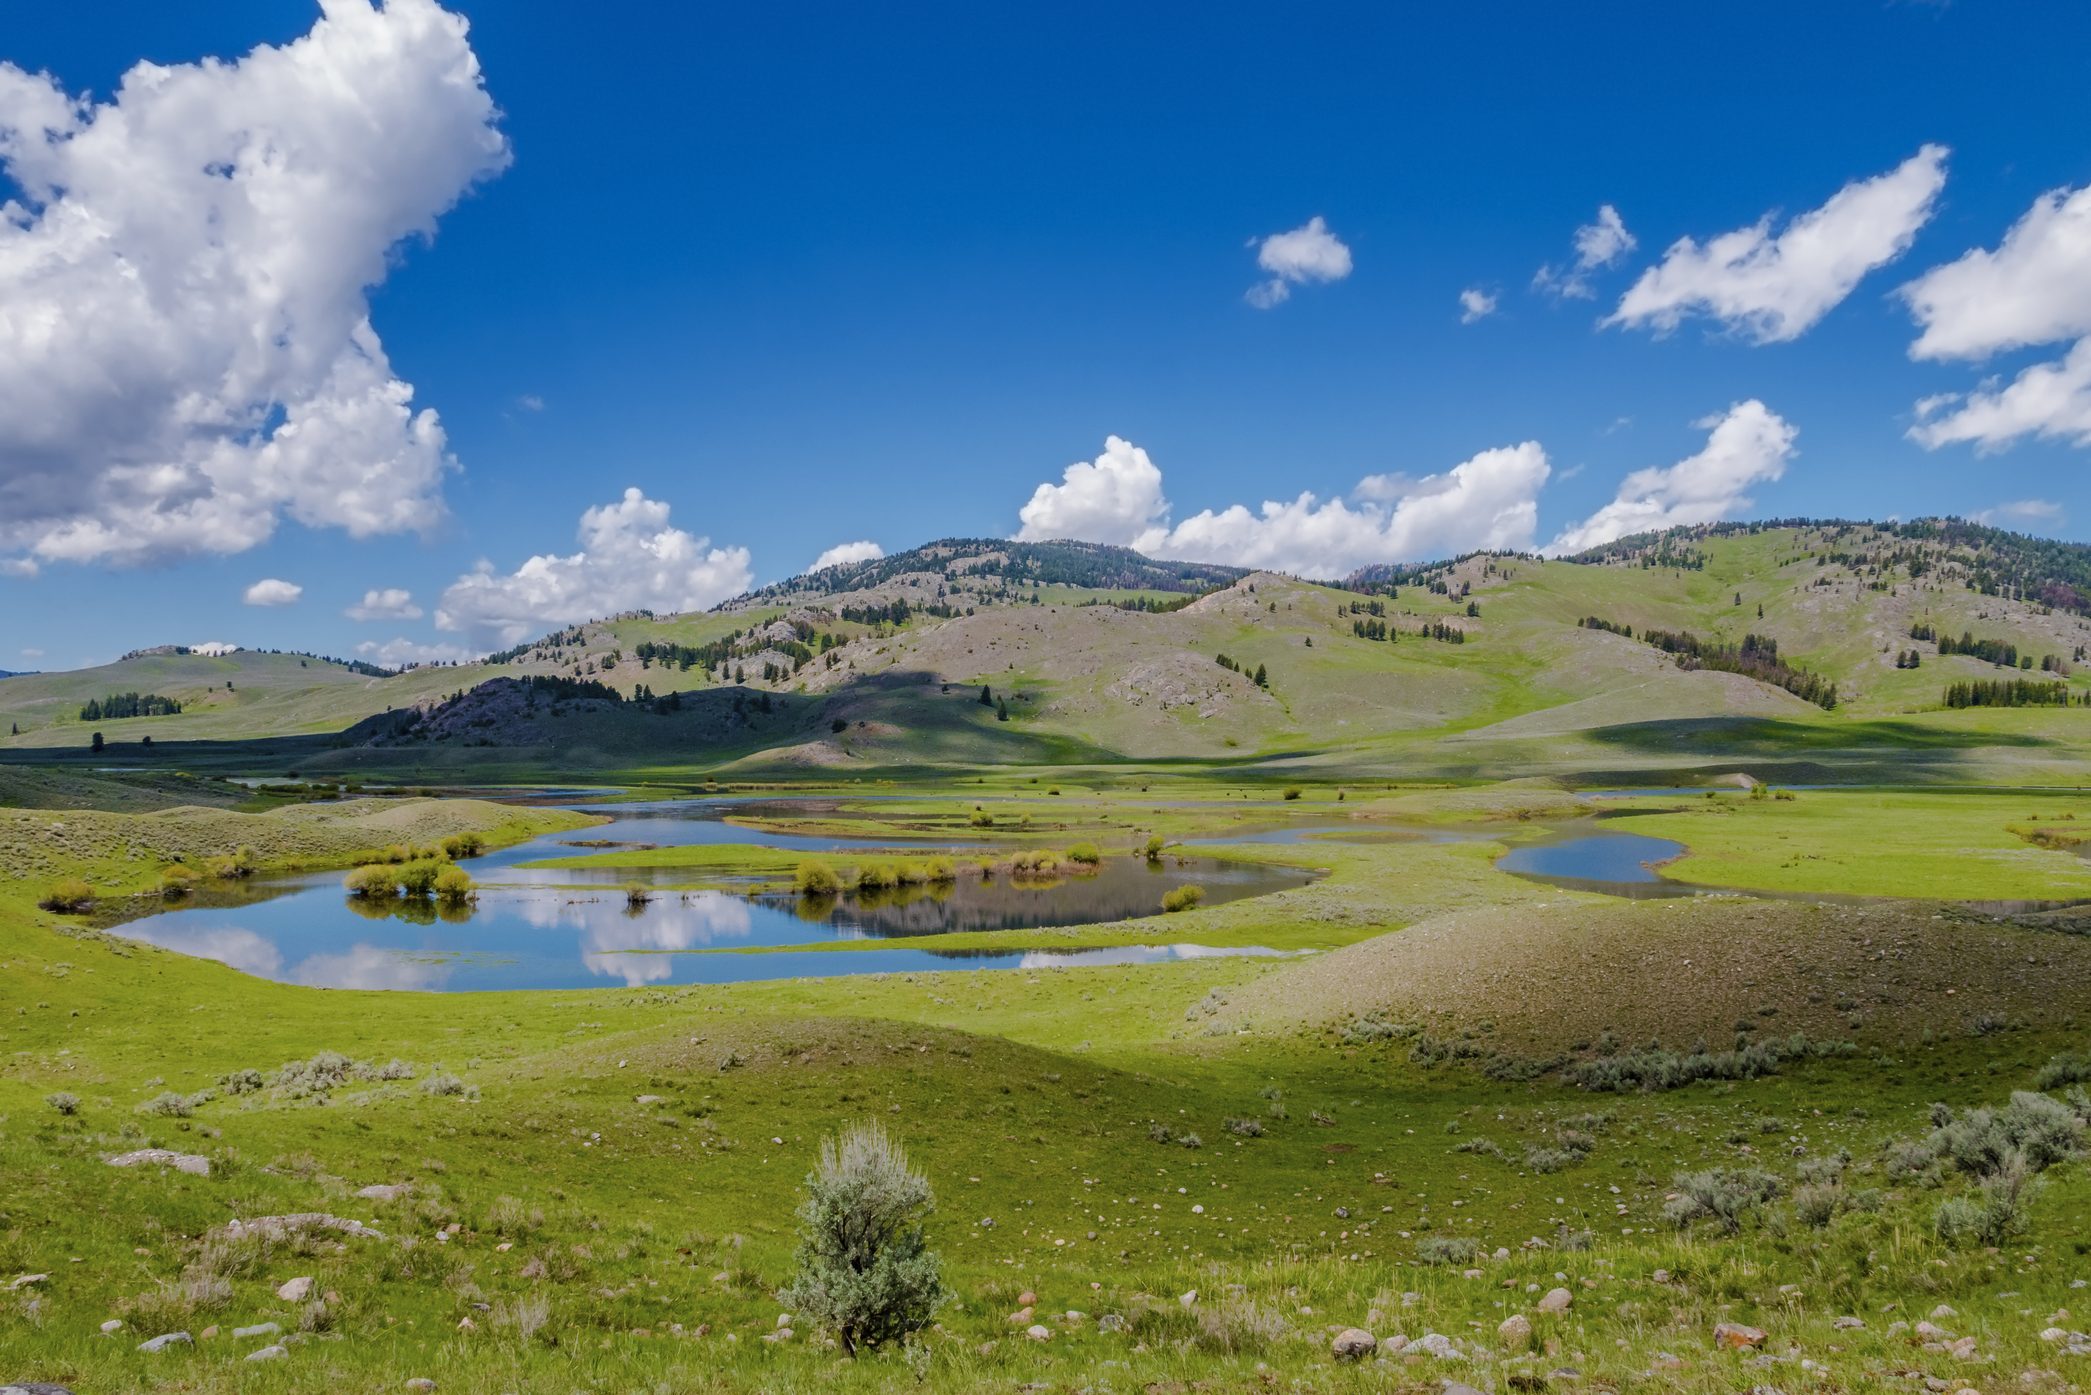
point(1102, 655)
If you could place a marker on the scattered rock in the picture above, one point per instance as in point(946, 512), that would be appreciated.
point(1848, 1324)
point(1557, 1300)
point(649, 1099)
point(1027, 1299)
point(1392, 1346)
point(192, 1163)
point(1037, 1333)
point(259, 1329)
point(384, 1191)
point(1737, 1337)
point(421, 1383)
point(1438, 1345)
point(1189, 1299)
point(113, 1325)
point(1515, 1332)
point(1353, 1344)
point(296, 1290)
point(272, 1352)
point(283, 1227)
point(166, 1340)
point(1110, 1322)
point(28, 1280)
point(34, 1387)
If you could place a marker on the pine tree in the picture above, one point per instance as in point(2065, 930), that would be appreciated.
point(987, 699)
point(1263, 677)
point(1001, 711)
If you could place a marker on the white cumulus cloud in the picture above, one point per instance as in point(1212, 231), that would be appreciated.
point(2035, 288)
point(630, 559)
point(1476, 304)
point(184, 308)
point(1309, 252)
point(387, 603)
point(1488, 501)
point(1748, 445)
point(2051, 400)
point(273, 591)
point(1598, 245)
point(1772, 288)
point(1113, 499)
point(842, 554)
point(402, 652)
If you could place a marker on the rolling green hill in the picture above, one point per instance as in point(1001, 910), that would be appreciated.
point(1099, 654)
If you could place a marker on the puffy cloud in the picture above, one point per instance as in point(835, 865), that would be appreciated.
point(2021, 513)
point(1770, 289)
point(400, 652)
point(630, 559)
point(244, 950)
point(1748, 445)
point(2035, 288)
point(1476, 304)
point(1489, 501)
point(843, 554)
point(368, 966)
point(1114, 499)
point(389, 603)
point(272, 591)
point(2051, 400)
point(1598, 245)
point(1309, 252)
point(184, 288)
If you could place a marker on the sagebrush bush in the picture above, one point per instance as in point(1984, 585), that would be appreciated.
point(1085, 853)
point(1447, 1249)
point(865, 1272)
point(1723, 1195)
point(176, 880)
point(64, 1103)
point(1244, 1126)
point(442, 1083)
point(1653, 1068)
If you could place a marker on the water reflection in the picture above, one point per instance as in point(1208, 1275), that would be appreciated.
point(520, 933)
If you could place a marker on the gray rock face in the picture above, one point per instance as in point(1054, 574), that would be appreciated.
point(1557, 1300)
point(192, 1163)
point(268, 1353)
point(259, 1329)
point(295, 1290)
point(166, 1340)
point(383, 1191)
point(34, 1387)
point(1352, 1344)
point(280, 1227)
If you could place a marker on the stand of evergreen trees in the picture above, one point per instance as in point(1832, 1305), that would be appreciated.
point(129, 705)
point(1756, 657)
point(2010, 692)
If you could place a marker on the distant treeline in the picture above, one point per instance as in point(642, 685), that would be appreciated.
point(2011, 692)
point(1152, 606)
point(129, 705)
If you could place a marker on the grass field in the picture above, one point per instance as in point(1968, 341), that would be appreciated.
point(594, 1189)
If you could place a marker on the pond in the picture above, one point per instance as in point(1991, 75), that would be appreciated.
point(1618, 864)
point(530, 928)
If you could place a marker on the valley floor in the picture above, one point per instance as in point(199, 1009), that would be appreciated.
point(1469, 1120)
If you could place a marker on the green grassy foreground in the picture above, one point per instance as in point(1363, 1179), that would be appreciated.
point(594, 1189)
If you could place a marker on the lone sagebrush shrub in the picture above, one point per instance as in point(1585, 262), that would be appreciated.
point(64, 1103)
point(176, 881)
point(864, 1270)
point(68, 897)
point(1723, 1195)
point(375, 882)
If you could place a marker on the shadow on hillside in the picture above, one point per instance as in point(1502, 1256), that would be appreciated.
point(896, 719)
point(1877, 752)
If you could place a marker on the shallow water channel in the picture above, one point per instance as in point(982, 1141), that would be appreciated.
point(557, 928)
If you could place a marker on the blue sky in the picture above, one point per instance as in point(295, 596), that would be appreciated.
point(810, 274)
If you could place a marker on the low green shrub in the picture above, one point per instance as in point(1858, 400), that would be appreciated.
point(1183, 898)
point(69, 896)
